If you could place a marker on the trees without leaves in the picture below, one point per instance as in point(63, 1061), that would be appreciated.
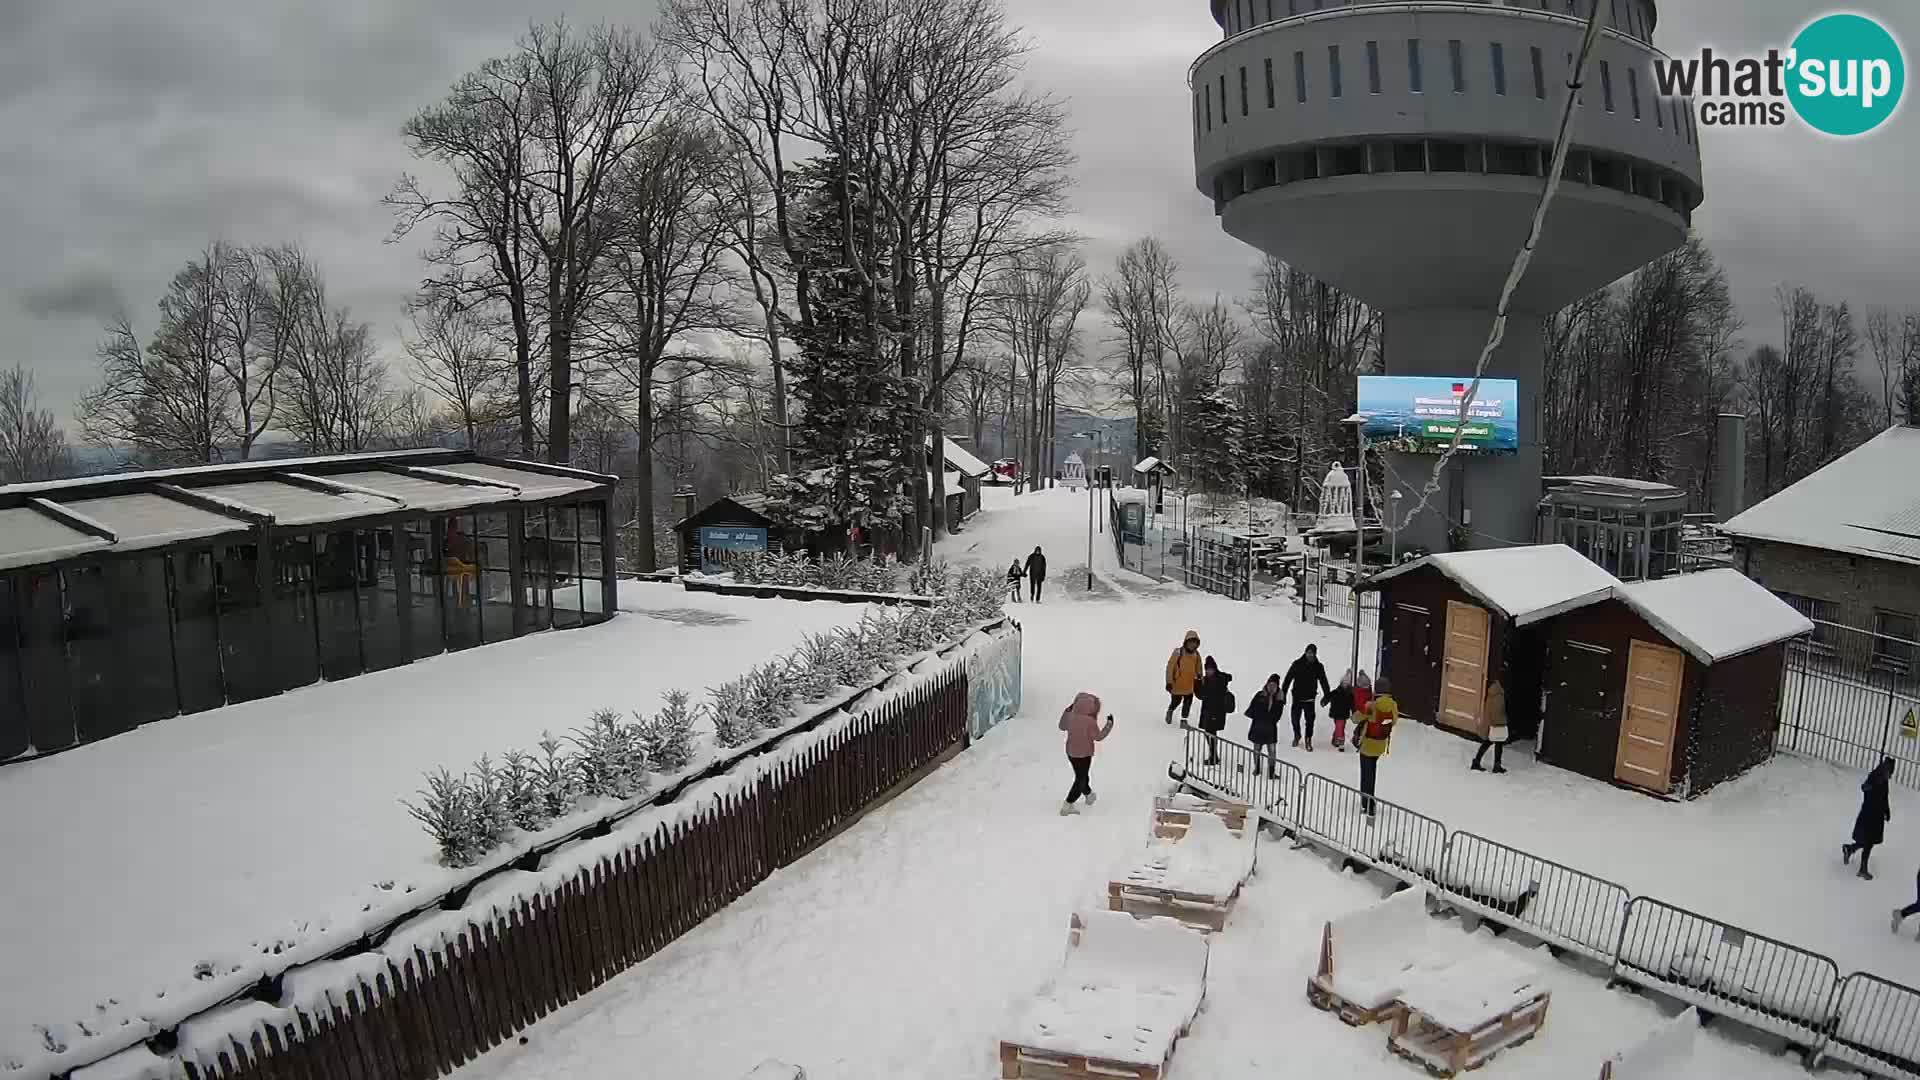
point(32, 446)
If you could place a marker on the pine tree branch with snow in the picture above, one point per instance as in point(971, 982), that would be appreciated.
point(446, 809)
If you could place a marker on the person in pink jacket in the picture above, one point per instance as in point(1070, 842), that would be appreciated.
point(1081, 722)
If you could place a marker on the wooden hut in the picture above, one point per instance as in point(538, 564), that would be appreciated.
point(1670, 686)
point(723, 529)
point(1454, 621)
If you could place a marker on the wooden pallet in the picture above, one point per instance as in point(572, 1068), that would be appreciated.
point(1207, 914)
point(1445, 1052)
point(1026, 1063)
point(1320, 993)
point(1170, 820)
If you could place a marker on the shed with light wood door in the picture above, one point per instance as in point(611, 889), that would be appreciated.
point(1668, 686)
point(1451, 623)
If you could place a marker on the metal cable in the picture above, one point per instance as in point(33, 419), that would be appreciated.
point(1561, 144)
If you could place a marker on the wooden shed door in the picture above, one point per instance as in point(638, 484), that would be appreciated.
point(1648, 717)
point(1463, 669)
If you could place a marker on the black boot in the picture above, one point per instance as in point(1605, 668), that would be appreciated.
point(1846, 854)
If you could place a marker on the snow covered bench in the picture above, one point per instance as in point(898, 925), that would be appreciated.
point(1368, 957)
point(1194, 876)
point(1665, 1054)
point(1457, 1017)
point(1172, 815)
point(1128, 989)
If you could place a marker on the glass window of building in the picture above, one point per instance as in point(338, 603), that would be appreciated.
point(142, 624)
point(1243, 89)
point(384, 597)
point(1539, 74)
point(1373, 67)
point(496, 576)
point(248, 660)
point(1894, 636)
point(92, 663)
point(537, 570)
point(462, 582)
point(196, 630)
point(425, 570)
point(563, 531)
point(1606, 86)
point(1333, 71)
point(1413, 65)
point(43, 659)
point(13, 707)
point(1268, 64)
point(1633, 91)
point(296, 639)
point(336, 573)
point(1223, 98)
point(1456, 54)
point(1499, 69)
point(1206, 93)
point(593, 566)
point(1300, 76)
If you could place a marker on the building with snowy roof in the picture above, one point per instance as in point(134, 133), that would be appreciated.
point(1671, 685)
point(1843, 546)
point(133, 597)
point(960, 480)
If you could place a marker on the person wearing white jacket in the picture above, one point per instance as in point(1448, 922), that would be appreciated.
point(1496, 713)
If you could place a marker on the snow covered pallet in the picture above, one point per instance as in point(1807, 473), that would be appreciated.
point(1665, 1054)
point(1369, 957)
point(1126, 992)
point(1172, 815)
point(1457, 1018)
point(1193, 876)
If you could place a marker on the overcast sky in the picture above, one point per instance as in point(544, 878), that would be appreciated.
point(132, 134)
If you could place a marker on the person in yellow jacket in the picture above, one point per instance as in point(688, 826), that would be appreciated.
point(1374, 738)
point(1183, 676)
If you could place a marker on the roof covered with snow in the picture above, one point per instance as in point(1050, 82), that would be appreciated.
point(1526, 584)
point(1714, 614)
point(1148, 464)
point(128, 511)
point(958, 458)
point(1865, 502)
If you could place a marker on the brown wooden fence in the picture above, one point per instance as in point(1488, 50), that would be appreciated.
point(436, 1009)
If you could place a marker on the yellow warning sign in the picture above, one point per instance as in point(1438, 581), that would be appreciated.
point(1910, 727)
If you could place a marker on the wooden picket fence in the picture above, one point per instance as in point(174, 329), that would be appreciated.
point(437, 1009)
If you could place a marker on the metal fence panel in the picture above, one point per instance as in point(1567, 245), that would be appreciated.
point(1409, 845)
point(1558, 904)
point(1757, 980)
point(1844, 696)
point(1234, 769)
point(1878, 1028)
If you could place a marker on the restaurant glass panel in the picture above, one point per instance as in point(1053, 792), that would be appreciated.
point(563, 528)
point(383, 598)
point(424, 568)
point(43, 660)
point(592, 561)
point(144, 633)
point(494, 546)
point(14, 737)
point(336, 570)
point(249, 639)
point(540, 563)
point(462, 569)
point(196, 630)
point(92, 663)
point(296, 645)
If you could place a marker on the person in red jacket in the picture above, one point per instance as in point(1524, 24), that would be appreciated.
point(1081, 722)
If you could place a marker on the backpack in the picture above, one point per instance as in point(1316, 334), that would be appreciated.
point(1230, 704)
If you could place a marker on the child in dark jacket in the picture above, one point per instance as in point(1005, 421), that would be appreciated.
point(1341, 701)
point(1263, 727)
point(1216, 701)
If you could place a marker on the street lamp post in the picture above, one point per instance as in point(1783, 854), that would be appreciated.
point(1359, 422)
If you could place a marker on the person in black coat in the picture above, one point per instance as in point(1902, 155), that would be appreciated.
point(1870, 825)
point(1308, 680)
point(1036, 572)
point(1264, 730)
point(1216, 701)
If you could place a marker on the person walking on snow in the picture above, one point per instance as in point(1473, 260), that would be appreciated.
point(1036, 572)
point(1496, 712)
point(1081, 722)
point(1183, 676)
point(1014, 574)
point(1303, 676)
point(1341, 702)
point(1216, 701)
point(1900, 914)
point(1373, 738)
point(1263, 731)
point(1870, 826)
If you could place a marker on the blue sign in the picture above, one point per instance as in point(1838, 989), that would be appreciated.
point(1419, 414)
point(723, 545)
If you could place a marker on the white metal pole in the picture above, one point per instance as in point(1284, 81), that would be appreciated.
point(1359, 541)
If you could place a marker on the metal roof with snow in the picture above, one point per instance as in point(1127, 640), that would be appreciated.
point(1150, 464)
point(1526, 584)
point(1714, 615)
point(959, 459)
point(130, 511)
point(1861, 503)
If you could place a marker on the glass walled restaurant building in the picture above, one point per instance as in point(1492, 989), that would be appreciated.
point(133, 597)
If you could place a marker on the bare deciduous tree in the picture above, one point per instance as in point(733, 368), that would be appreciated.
point(1141, 299)
point(454, 361)
point(32, 446)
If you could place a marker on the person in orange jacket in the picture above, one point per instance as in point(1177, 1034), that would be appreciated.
point(1183, 676)
point(1373, 739)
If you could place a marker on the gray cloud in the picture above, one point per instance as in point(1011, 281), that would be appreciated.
point(137, 134)
point(88, 295)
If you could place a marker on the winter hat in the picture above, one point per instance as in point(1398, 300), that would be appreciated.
point(1313, 650)
point(1380, 685)
point(1273, 678)
point(1193, 636)
point(1211, 665)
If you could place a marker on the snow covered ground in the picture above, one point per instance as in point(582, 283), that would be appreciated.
point(904, 946)
point(161, 864)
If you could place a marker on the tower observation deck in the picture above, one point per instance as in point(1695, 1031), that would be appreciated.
point(1396, 149)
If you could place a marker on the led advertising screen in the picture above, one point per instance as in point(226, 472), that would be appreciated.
point(1417, 414)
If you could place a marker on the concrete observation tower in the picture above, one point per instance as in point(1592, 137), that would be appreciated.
point(1396, 149)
